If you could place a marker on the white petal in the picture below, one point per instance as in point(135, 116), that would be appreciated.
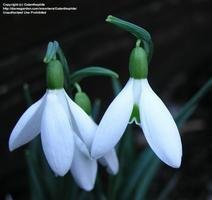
point(82, 123)
point(136, 90)
point(81, 145)
point(110, 161)
point(114, 122)
point(83, 170)
point(159, 127)
point(28, 126)
point(61, 95)
point(56, 135)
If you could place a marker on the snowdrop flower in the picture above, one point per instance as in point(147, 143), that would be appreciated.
point(137, 102)
point(48, 116)
point(66, 131)
point(87, 128)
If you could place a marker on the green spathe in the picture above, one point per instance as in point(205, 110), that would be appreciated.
point(83, 101)
point(54, 75)
point(138, 63)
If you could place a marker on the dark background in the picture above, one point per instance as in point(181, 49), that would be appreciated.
point(181, 64)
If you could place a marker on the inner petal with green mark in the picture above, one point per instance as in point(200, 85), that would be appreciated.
point(135, 116)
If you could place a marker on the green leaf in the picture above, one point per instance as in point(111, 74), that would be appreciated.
point(98, 190)
point(169, 187)
point(138, 32)
point(138, 171)
point(181, 119)
point(146, 179)
point(188, 109)
point(35, 183)
point(91, 71)
point(125, 151)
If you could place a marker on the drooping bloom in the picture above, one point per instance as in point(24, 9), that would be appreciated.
point(66, 131)
point(84, 168)
point(138, 102)
point(87, 129)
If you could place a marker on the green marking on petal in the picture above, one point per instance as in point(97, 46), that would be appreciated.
point(135, 115)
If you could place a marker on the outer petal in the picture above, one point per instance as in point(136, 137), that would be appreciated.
point(114, 122)
point(81, 146)
point(56, 135)
point(28, 126)
point(110, 161)
point(83, 123)
point(84, 170)
point(159, 127)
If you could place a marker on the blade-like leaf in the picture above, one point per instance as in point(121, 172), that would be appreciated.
point(181, 119)
point(92, 71)
point(146, 180)
point(138, 171)
point(35, 184)
point(169, 187)
point(125, 151)
point(188, 109)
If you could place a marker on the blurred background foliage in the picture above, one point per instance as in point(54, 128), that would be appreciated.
point(181, 65)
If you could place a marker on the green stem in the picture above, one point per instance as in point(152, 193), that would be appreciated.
point(138, 43)
point(188, 109)
point(66, 68)
point(138, 32)
point(91, 71)
point(77, 86)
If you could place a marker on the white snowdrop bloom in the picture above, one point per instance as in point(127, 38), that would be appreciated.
point(86, 128)
point(49, 117)
point(66, 131)
point(138, 102)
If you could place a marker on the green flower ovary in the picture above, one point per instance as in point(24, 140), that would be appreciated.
point(138, 63)
point(54, 75)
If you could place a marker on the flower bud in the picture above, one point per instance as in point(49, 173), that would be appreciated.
point(55, 76)
point(83, 101)
point(138, 63)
